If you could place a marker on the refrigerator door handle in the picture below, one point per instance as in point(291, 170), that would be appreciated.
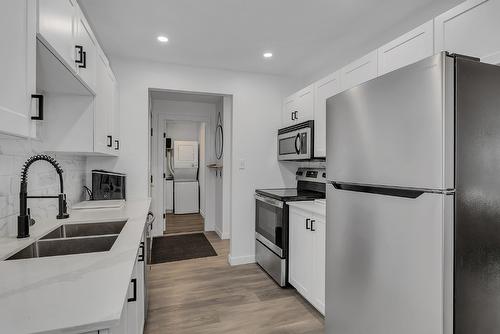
point(380, 190)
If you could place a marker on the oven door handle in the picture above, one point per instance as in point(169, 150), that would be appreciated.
point(270, 201)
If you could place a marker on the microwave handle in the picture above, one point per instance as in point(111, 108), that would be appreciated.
point(298, 143)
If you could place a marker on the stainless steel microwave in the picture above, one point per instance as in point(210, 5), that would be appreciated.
point(296, 142)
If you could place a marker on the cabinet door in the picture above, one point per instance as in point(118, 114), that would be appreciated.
point(305, 104)
point(289, 108)
point(470, 29)
point(300, 253)
point(323, 89)
point(121, 328)
point(133, 303)
point(359, 71)
point(86, 68)
point(17, 65)
point(407, 49)
point(56, 27)
point(103, 108)
point(116, 118)
point(319, 263)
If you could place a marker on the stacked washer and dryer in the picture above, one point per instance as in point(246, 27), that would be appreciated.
point(182, 162)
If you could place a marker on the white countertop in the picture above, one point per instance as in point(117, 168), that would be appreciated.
point(70, 293)
point(317, 207)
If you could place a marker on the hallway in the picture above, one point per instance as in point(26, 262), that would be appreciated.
point(187, 223)
point(208, 296)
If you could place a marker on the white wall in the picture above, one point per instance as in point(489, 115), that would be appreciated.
point(257, 101)
point(42, 180)
point(183, 130)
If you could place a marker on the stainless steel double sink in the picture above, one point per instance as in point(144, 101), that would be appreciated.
point(73, 239)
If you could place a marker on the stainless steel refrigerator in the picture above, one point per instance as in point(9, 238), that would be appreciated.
point(413, 201)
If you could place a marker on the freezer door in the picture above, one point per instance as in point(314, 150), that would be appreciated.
point(389, 263)
point(396, 129)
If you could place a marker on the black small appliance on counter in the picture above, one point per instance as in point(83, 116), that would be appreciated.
point(108, 185)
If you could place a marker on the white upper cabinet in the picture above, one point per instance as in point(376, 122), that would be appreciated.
point(17, 66)
point(359, 71)
point(86, 52)
point(298, 107)
point(103, 107)
point(289, 107)
point(324, 89)
point(305, 104)
point(407, 49)
point(56, 27)
point(472, 29)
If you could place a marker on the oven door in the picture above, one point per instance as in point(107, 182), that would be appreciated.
point(269, 223)
point(295, 145)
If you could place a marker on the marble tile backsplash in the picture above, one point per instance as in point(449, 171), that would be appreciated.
point(42, 180)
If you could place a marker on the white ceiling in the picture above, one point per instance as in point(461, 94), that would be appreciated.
point(305, 36)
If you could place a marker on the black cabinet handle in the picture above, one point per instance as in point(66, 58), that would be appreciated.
point(291, 116)
point(141, 256)
point(79, 50)
point(295, 114)
point(110, 141)
point(307, 223)
point(84, 61)
point(134, 283)
point(312, 225)
point(117, 144)
point(39, 97)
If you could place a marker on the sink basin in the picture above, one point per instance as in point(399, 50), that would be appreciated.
point(85, 229)
point(54, 247)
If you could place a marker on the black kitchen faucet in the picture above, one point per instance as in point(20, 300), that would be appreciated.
point(24, 221)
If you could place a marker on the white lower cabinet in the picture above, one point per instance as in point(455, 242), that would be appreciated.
point(134, 311)
point(470, 29)
point(306, 268)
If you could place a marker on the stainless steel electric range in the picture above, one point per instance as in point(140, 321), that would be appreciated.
point(271, 220)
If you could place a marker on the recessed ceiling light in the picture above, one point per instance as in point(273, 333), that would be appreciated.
point(162, 39)
point(267, 55)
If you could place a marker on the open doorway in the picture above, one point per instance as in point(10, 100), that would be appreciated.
point(183, 166)
point(190, 162)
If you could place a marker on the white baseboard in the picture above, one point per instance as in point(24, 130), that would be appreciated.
point(238, 260)
point(223, 236)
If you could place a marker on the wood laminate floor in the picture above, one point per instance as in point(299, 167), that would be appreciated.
point(208, 296)
point(188, 223)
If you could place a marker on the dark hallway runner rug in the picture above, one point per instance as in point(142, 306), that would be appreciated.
point(180, 247)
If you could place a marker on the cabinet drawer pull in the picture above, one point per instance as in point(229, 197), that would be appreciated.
point(141, 255)
point(134, 283)
point(39, 97)
point(110, 141)
point(307, 223)
point(117, 144)
point(312, 225)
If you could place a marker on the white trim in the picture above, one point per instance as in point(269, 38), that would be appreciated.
point(239, 260)
point(222, 236)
